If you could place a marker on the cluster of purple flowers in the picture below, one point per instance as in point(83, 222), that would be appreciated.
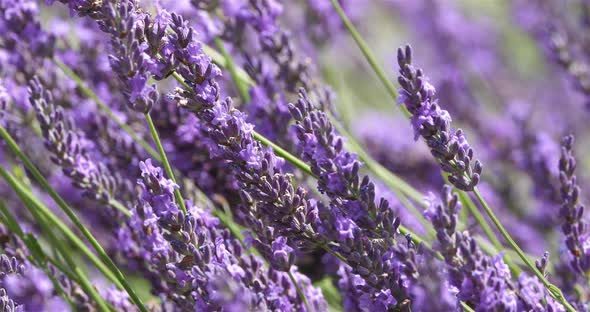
point(198, 265)
point(201, 145)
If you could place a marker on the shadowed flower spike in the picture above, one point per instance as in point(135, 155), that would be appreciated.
point(565, 42)
point(69, 149)
point(448, 145)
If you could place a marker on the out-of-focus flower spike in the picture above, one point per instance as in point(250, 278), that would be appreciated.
point(68, 150)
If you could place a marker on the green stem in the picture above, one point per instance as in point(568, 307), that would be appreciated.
point(72, 216)
point(117, 205)
point(106, 109)
point(299, 292)
point(466, 307)
point(464, 198)
point(420, 241)
point(57, 222)
point(40, 256)
point(235, 229)
point(368, 55)
point(283, 153)
point(165, 161)
point(10, 221)
point(487, 247)
point(220, 60)
point(82, 278)
point(231, 67)
point(554, 291)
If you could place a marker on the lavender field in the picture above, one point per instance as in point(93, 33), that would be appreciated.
point(309, 155)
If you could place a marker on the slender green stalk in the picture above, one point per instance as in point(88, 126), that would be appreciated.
point(72, 216)
point(117, 205)
point(368, 55)
point(283, 153)
point(11, 222)
point(487, 247)
point(221, 61)
point(299, 292)
point(15, 228)
point(82, 278)
point(553, 290)
point(165, 161)
point(39, 256)
point(234, 228)
point(240, 85)
point(464, 198)
point(58, 223)
point(420, 241)
point(466, 307)
point(480, 220)
point(106, 109)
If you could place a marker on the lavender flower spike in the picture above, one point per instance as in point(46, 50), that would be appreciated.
point(199, 266)
point(574, 228)
point(364, 227)
point(69, 149)
point(483, 282)
point(448, 145)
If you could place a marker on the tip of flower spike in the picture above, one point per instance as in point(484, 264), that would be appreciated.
point(404, 55)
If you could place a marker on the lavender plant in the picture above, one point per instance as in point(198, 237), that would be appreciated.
point(256, 195)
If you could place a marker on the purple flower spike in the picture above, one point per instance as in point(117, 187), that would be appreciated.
point(364, 228)
point(448, 145)
point(199, 266)
point(69, 149)
point(574, 227)
point(483, 282)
